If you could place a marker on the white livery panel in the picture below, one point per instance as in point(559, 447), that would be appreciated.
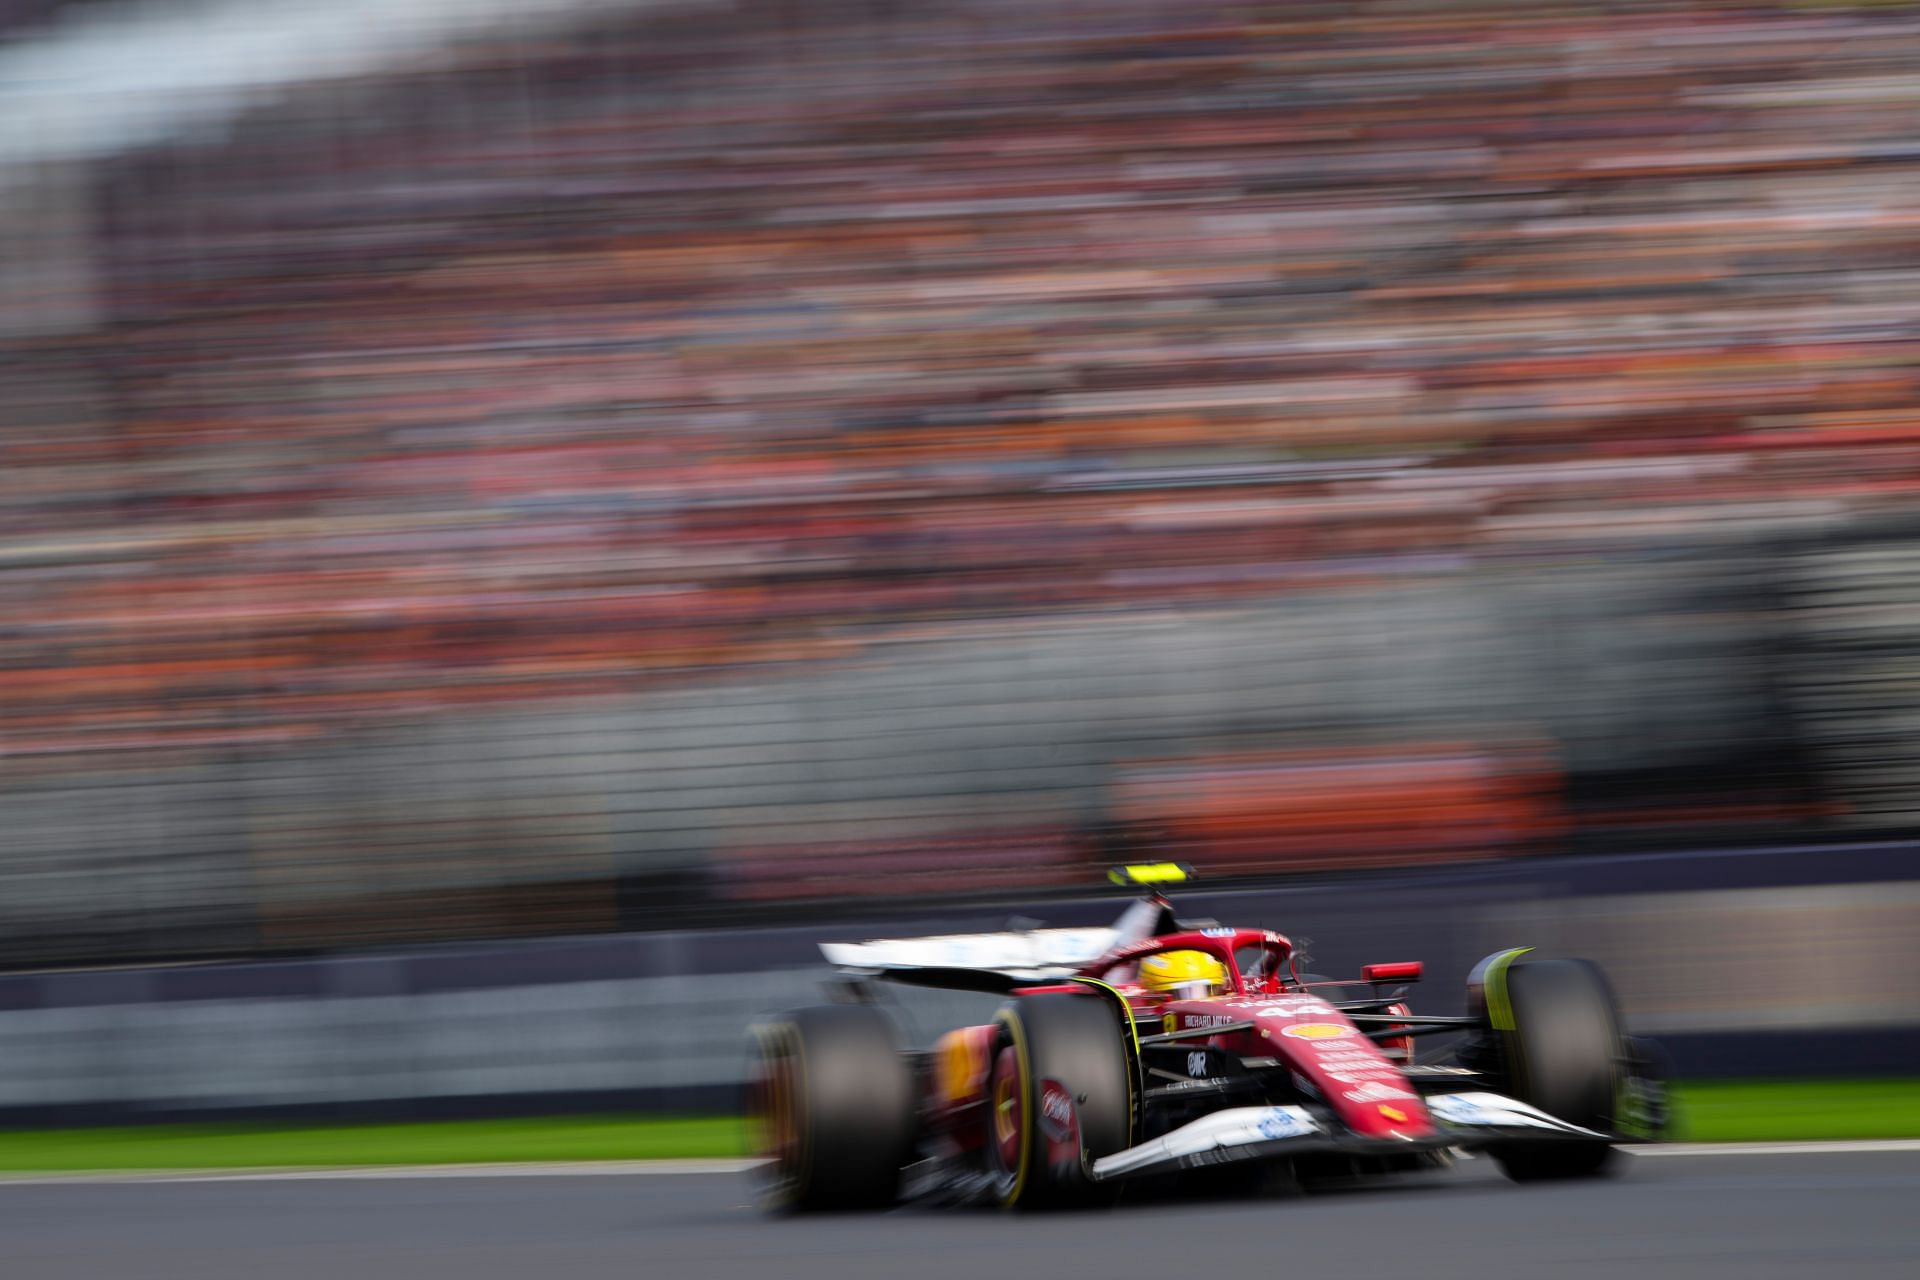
point(1237, 1127)
point(1495, 1111)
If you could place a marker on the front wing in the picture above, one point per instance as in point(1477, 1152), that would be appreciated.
point(1463, 1120)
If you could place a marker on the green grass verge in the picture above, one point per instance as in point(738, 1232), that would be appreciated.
point(443, 1142)
point(1710, 1111)
point(1797, 1110)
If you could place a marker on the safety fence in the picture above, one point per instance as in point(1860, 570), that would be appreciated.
point(1747, 964)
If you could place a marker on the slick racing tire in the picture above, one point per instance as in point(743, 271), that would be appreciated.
point(1052, 1051)
point(833, 1106)
point(1556, 1036)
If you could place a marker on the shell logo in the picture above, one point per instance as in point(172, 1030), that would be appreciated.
point(1394, 1114)
point(1317, 1031)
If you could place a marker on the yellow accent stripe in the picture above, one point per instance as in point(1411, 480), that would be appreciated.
point(1028, 1098)
point(1149, 873)
point(1499, 1006)
point(1133, 1029)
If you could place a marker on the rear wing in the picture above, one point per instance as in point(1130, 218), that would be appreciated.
point(1020, 957)
point(1014, 957)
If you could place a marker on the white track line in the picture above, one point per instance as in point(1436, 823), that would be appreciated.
point(553, 1169)
point(1774, 1148)
point(631, 1168)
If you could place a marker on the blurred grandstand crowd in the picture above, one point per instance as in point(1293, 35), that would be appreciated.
point(580, 384)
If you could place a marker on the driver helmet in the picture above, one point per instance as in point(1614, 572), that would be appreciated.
point(1184, 974)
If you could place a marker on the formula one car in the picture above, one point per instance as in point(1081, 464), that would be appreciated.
point(1159, 1048)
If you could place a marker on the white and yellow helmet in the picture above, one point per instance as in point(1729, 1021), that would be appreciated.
point(1184, 974)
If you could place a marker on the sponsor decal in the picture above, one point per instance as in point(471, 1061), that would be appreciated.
point(1280, 1123)
point(1170, 1023)
point(1056, 1110)
point(1374, 1091)
point(1210, 1019)
point(1197, 1064)
point(1279, 1004)
point(1457, 1108)
point(1218, 933)
point(1178, 1086)
point(1394, 1114)
point(1358, 1077)
point(1317, 1031)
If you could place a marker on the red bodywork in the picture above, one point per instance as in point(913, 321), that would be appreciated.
point(1265, 1013)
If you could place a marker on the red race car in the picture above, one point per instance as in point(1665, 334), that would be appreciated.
point(1160, 1047)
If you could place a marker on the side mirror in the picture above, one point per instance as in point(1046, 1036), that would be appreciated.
point(1398, 971)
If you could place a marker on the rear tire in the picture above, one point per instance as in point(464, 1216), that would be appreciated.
point(1074, 1042)
point(1561, 1055)
point(834, 1109)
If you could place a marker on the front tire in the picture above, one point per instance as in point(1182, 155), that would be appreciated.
point(833, 1103)
point(1556, 1037)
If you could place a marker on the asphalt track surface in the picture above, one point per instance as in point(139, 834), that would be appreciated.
point(1754, 1216)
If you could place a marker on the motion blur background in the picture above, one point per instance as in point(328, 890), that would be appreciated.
point(476, 471)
